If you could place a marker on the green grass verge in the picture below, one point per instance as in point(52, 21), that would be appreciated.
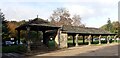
point(80, 42)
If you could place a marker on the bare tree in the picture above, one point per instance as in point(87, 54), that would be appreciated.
point(76, 20)
point(61, 16)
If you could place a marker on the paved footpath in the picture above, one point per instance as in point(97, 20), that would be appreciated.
point(86, 50)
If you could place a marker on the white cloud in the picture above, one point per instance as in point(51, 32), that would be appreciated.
point(97, 13)
point(18, 12)
point(83, 11)
point(89, 10)
point(99, 1)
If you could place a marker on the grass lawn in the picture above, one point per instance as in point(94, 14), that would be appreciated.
point(80, 42)
point(118, 41)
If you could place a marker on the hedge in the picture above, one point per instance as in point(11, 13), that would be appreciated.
point(14, 48)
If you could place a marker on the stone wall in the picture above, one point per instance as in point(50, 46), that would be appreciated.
point(61, 40)
point(56, 41)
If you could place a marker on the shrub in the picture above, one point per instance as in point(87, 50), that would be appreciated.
point(14, 48)
point(21, 48)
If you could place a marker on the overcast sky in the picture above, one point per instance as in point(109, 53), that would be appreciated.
point(94, 13)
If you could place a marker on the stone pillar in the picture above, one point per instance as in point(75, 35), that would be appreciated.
point(63, 40)
point(76, 40)
point(115, 38)
point(108, 41)
point(57, 39)
point(18, 36)
point(83, 39)
point(100, 39)
point(28, 39)
point(89, 40)
point(59, 36)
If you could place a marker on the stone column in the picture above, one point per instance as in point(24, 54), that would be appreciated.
point(115, 38)
point(63, 40)
point(57, 39)
point(76, 40)
point(89, 40)
point(28, 39)
point(108, 41)
point(100, 39)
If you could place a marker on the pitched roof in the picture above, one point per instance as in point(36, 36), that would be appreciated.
point(84, 30)
point(40, 24)
point(37, 22)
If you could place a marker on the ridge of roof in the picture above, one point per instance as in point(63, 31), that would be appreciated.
point(79, 29)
